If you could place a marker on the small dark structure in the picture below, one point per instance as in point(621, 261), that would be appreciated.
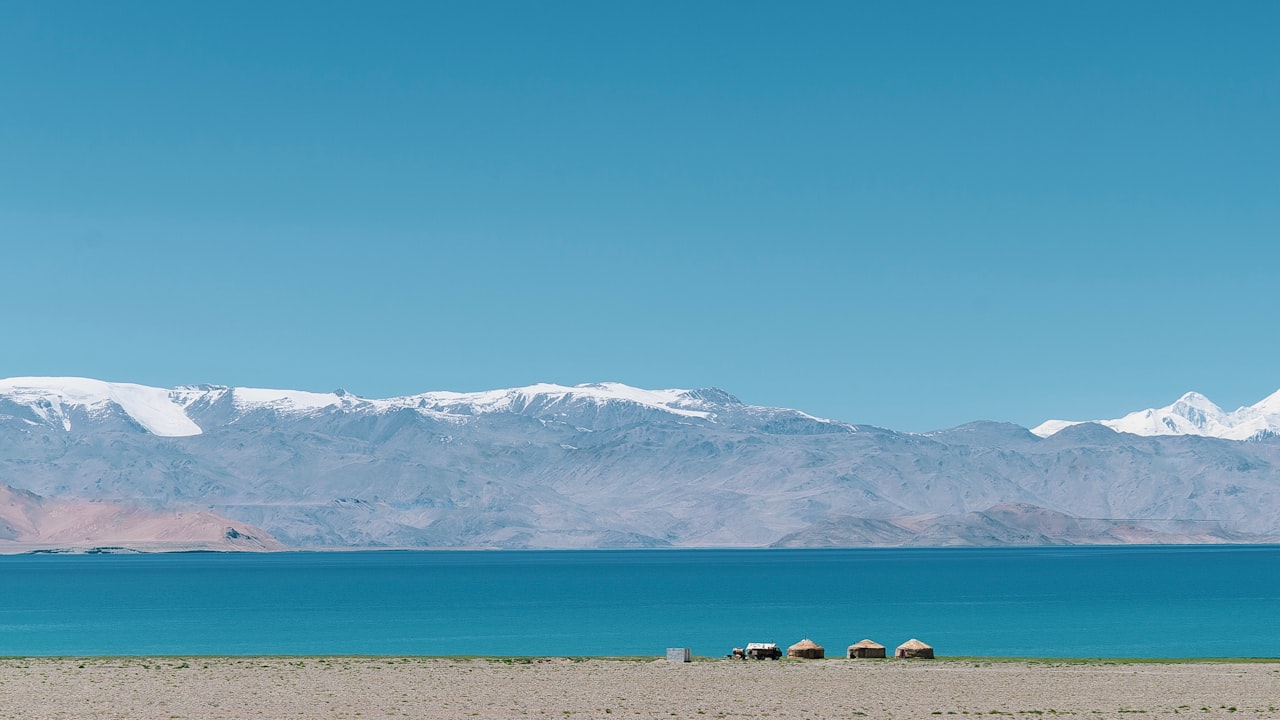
point(913, 648)
point(763, 651)
point(808, 649)
point(866, 649)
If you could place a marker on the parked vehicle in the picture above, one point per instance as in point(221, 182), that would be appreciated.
point(763, 651)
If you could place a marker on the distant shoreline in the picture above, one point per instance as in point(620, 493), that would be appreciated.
point(28, 549)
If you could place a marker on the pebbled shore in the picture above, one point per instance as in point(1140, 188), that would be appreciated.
point(306, 688)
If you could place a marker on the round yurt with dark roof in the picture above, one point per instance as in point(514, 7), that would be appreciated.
point(806, 648)
point(913, 648)
point(866, 649)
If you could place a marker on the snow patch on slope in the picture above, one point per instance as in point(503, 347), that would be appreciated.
point(284, 400)
point(50, 398)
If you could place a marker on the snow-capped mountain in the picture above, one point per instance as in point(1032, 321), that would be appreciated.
point(603, 465)
point(1191, 414)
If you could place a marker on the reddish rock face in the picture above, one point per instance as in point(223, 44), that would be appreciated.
point(30, 522)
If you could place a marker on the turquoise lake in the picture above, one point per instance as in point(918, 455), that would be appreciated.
point(1061, 602)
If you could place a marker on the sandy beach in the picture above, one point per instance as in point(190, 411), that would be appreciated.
point(342, 687)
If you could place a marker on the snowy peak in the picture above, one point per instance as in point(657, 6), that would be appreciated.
point(1191, 414)
point(1198, 410)
point(1197, 401)
point(709, 396)
point(58, 400)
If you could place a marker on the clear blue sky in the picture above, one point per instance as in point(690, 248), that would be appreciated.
point(905, 214)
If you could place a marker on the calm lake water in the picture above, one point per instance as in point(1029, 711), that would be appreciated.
point(1062, 602)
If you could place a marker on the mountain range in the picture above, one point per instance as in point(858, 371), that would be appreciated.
point(603, 465)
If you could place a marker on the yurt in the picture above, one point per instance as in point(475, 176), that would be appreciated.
point(866, 649)
point(806, 648)
point(913, 648)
